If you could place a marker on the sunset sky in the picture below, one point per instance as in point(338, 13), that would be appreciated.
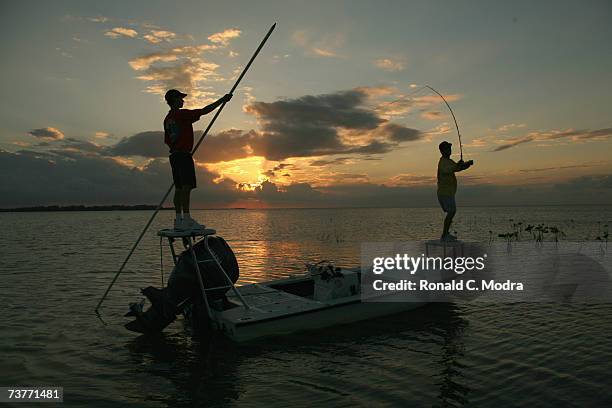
point(332, 113)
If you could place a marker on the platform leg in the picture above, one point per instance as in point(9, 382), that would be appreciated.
point(200, 281)
point(171, 244)
point(214, 256)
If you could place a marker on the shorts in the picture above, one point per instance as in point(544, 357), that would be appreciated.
point(447, 203)
point(183, 169)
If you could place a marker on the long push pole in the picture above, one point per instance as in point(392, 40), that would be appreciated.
point(161, 203)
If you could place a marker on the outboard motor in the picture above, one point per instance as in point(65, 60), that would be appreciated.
point(184, 288)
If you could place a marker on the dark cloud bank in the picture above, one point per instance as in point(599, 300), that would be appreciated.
point(302, 127)
point(64, 170)
point(31, 178)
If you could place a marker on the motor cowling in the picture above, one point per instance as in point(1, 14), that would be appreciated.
point(184, 282)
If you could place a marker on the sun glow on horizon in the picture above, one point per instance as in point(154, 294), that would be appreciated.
point(248, 173)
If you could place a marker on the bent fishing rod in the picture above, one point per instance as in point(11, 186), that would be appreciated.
point(419, 89)
point(212, 121)
point(454, 118)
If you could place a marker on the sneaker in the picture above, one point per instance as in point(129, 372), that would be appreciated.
point(191, 224)
point(448, 238)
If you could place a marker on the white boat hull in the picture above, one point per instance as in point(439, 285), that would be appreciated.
point(337, 315)
point(275, 312)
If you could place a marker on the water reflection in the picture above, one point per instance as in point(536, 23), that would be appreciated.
point(367, 361)
point(266, 260)
point(193, 370)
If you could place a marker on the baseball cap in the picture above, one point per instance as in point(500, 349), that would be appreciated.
point(173, 93)
point(444, 144)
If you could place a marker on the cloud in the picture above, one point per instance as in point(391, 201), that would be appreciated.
point(377, 91)
point(398, 133)
point(47, 178)
point(327, 180)
point(228, 145)
point(312, 125)
point(223, 38)
point(99, 19)
point(430, 100)
point(301, 193)
point(441, 129)
point(279, 167)
point(102, 135)
point(476, 142)
point(70, 145)
point(185, 76)
point(409, 179)
point(319, 45)
point(145, 61)
point(323, 53)
point(336, 109)
point(182, 67)
point(513, 143)
point(431, 115)
point(157, 36)
point(391, 64)
point(50, 133)
point(587, 184)
point(330, 162)
point(121, 32)
point(572, 135)
point(146, 144)
point(405, 103)
point(542, 169)
point(510, 126)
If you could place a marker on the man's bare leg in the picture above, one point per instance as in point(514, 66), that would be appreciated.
point(186, 196)
point(178, 201)
point(448, 220)
point(186, 215)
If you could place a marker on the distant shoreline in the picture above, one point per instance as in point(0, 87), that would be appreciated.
point(49, 208)
point(148, 207)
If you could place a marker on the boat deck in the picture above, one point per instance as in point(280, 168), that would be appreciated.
point(265, 303)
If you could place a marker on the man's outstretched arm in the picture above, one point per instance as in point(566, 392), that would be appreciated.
point(207, 109)
point(461, 165)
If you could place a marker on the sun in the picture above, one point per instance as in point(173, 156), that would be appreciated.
point(247, 172)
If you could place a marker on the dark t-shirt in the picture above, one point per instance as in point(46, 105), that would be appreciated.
point(178, 129)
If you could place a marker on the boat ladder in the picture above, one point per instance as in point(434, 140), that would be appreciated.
point(189, 238)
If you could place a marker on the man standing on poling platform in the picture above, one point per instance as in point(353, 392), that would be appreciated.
point(178, 135)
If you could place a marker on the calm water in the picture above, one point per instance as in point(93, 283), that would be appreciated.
point(55, 266)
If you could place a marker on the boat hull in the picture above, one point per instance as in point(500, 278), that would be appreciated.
point(345, 311)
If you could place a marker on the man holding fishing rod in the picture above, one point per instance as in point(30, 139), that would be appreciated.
point(178, 135)
point(447, 186)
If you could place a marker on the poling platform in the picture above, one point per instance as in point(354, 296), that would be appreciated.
point(444, 248)
point(172, 233)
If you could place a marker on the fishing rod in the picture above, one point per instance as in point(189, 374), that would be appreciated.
point(409, 94)
point(419, 89)
point(212, 121)
point(455, 119)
